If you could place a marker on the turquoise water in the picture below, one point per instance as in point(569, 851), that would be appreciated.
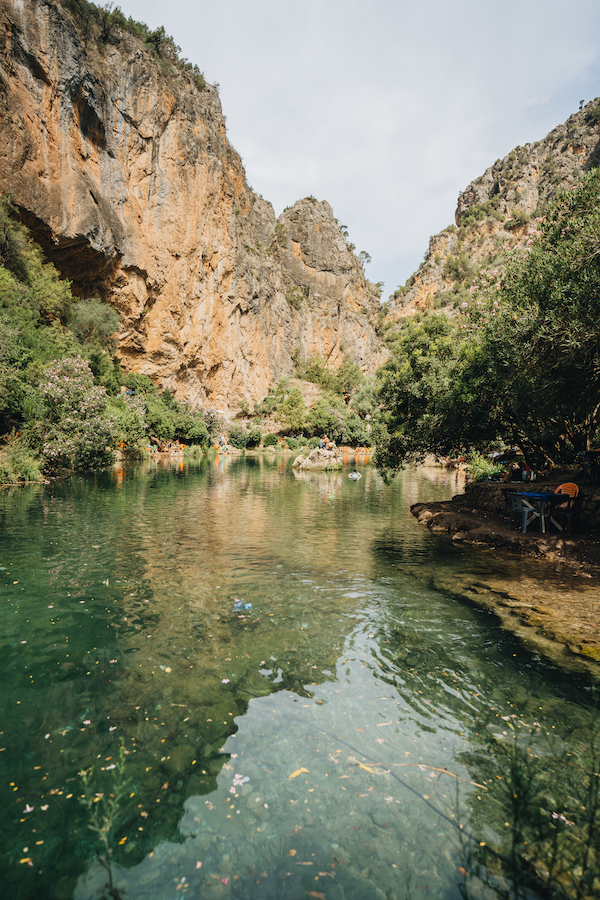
point(334, 740)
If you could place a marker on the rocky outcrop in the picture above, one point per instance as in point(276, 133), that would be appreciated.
point(495, 212)
point(318, 460)
point(121, 167)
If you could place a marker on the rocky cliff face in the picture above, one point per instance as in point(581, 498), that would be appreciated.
point(122, 169)
point(495, 211)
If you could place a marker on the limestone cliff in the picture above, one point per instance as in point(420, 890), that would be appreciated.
point(121, 167)
point(495, 210)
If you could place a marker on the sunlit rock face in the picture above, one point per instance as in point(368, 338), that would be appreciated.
point(497, 211)
point(123, 171)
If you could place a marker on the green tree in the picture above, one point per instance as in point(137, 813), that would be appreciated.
point(94, 321)
point(521, 361)
point(130, 421)
point(348, 376)
point(331, 416)
point(364, 400)
point(414, 388)
point(292, 411)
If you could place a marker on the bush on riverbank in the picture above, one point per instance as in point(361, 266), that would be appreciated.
point(62, 390)
point(481, 468)
point(245, 438)
point(17, 463)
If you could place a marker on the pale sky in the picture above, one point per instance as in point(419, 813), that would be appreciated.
point(387, 109)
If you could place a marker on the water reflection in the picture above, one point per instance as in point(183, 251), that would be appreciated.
point(354, 694)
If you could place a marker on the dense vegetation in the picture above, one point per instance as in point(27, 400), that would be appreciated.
point(519, 362)
point(65, 403)
point(342, 411)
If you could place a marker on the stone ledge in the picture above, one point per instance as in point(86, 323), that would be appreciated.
point(555, 609)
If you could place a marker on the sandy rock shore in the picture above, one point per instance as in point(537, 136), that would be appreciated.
point(555, 608)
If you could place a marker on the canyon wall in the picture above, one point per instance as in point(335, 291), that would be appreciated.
point(121, 167)
point(496, 211)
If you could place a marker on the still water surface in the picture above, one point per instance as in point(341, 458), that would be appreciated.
point(325, 741)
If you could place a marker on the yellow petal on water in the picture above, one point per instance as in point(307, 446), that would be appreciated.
point(366, 768)
point(292, 853)
point(122, 841)
point(298, 772)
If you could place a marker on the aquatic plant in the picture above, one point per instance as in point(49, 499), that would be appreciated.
point(103, 810)
point(552, 825)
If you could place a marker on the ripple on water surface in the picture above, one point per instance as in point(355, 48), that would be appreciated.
point(325, 737)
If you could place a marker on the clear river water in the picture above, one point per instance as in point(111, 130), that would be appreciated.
point(263, 670)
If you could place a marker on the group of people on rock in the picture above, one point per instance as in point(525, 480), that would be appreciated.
point(326, 444)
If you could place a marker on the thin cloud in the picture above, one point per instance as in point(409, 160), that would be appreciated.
point(386, 109)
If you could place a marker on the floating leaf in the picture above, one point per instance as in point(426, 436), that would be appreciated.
point(298, 772)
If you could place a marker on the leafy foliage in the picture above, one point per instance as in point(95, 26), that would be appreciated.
point(292, 411)
point(332, 417)
point(94, 322)
point(77, 431)
point(364, 400)
point(342, 381)
point(245, 438)
point(522, 359)
point(17, 463)
point(480, 467)
point(59, 385)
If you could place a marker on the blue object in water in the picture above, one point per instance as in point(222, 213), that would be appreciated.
point(247, 606)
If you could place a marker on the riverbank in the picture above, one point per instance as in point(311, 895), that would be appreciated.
point(556, 608)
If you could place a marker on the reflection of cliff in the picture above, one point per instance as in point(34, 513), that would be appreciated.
point(127, 179)
point(167, 663)
point(232, 536)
